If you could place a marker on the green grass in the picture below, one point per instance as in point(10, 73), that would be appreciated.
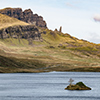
point(87, 48)
point(57, 52)
point(15, 42)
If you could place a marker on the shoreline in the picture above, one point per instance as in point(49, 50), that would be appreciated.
point(43, 71)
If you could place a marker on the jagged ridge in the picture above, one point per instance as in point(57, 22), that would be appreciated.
point(26, 16)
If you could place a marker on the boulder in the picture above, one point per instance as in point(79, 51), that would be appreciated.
point(77, 86)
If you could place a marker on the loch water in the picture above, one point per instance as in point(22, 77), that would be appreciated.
point(48, 86)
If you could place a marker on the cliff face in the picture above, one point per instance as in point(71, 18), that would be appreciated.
point(26, 16)
point(28, 32)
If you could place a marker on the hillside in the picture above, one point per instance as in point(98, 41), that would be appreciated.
point(29, 48)
point(6, 21)
point(56, 52)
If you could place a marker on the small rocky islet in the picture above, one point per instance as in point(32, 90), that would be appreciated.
point(77, 86)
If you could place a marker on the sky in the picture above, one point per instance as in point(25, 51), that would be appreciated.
point(79, 18)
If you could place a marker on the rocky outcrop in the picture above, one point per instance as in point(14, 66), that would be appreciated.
point(60, 30)
point(26, 16)
point(78, 86)
point(28, 32)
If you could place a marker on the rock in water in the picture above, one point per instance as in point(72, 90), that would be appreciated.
point(78, 86)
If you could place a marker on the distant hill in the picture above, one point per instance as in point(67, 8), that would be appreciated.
point(50, 51)
point(29, 48)
point(6, 21)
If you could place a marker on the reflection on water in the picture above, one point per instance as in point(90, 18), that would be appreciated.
point(48, 86)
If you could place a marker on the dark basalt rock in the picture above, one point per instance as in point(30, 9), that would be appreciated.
point(28, 32)
point(26, 16)
point(78, 86)
point(60, 30)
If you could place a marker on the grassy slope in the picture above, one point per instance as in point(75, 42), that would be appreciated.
point(57, 52)
point(6, 21)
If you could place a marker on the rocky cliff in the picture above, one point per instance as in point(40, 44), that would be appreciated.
point(28, 32)
point(26, 16)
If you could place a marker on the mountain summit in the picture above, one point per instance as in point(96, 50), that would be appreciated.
point(26, 16)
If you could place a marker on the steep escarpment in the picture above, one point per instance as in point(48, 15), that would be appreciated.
point(26, 16)
point(28, 32)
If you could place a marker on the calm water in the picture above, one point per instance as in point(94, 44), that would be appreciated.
point(48, 86)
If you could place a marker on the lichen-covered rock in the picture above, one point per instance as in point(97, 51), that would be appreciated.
point(26, 16)
point(78, 86)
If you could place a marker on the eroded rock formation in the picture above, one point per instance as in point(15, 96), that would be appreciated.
point(26, 16)
point(60, 30)
point(28, 32)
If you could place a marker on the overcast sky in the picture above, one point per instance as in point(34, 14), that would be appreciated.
point(79, 18)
